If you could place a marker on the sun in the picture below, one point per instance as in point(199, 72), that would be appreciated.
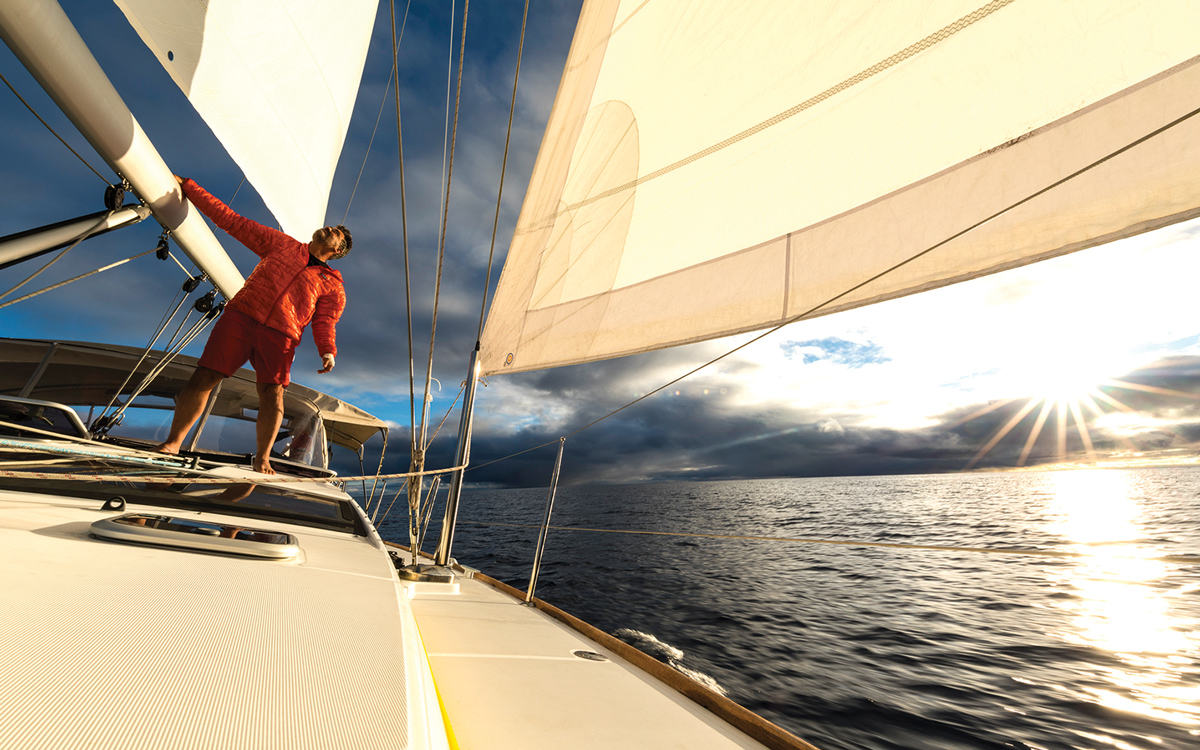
point(1068, 397)
point(1069, 382)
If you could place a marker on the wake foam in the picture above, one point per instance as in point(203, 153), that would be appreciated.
point(667, 654)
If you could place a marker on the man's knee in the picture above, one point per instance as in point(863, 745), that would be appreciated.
point(270, 393)
point(203, 379)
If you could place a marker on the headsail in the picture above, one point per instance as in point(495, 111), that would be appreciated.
point(274, 79)
point(714, 168)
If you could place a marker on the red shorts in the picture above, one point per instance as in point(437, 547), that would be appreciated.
point(238, 338)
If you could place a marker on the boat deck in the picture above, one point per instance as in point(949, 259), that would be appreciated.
point(508, 677)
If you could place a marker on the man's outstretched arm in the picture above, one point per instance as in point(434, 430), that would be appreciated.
point(259, 238)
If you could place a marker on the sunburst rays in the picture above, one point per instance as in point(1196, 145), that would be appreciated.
point(1069, 408)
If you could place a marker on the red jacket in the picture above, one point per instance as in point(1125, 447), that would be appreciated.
point(283, 292)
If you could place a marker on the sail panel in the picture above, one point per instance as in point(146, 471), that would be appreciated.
point(715, 169)
point(275, 80)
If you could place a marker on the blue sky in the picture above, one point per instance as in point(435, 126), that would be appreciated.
point(879, 390)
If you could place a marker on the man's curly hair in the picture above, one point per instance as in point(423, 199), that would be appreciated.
point(347, 242)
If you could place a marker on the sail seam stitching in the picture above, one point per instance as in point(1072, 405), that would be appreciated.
point(929, 41)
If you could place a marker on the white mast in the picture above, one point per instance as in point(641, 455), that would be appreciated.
point(47, 44)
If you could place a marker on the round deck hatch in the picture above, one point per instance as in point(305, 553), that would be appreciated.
point(190, 533)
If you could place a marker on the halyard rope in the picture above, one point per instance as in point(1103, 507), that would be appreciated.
point(1185, 559)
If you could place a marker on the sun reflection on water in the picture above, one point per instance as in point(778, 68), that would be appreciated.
point(1122, 600)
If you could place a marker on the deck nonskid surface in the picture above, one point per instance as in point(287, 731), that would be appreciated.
point(508, 678)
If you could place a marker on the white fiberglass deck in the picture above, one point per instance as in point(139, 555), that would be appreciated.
point(126, 646)
point(509, 680)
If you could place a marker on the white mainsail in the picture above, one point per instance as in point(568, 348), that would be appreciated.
point(276, 82)
point(716, 167)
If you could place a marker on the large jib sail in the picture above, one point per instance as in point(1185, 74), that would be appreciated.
point(711, 168)
point(274, 79)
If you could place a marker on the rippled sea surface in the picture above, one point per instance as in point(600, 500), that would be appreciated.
point(859, 646)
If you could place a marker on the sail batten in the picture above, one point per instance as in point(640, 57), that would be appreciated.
point(821, 150)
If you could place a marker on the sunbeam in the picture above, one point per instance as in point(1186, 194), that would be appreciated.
point(1073, 403)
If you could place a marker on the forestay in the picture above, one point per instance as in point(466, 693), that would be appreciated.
point(274, 79)
point(714, 167)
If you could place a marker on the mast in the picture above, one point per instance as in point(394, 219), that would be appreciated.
point(461, 455)
point(42, 37)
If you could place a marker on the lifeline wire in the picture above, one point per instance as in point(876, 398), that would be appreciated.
point(876, 277)
point(168, 461)
point(1184, 559)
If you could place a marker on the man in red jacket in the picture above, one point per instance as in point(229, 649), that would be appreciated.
point(291, 286)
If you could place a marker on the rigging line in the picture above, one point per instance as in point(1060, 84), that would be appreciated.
point(403, 488)
point(446, 125)
point(236, 190)
point(378, 469)
point(56, 135)
point(432, 497)
point(1112, 155)
point(362, 469)
point(441, 255)
point(178, 301)
point(412, 376)
point(382, 102)
point(175, 347)
point(87, 233)
point(161, 365)
point(165, 457)
point(449, 409)
point(503, 168)
point(11, 446)
point(181, 266)
point(186, 317)
point(77, 278)
point(1186, 558)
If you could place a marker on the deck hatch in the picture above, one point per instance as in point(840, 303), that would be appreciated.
point(190, 533)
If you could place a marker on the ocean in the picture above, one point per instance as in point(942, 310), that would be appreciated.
point(977, 645)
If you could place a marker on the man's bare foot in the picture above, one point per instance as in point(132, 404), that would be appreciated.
point(168, 448)
point(263, 465)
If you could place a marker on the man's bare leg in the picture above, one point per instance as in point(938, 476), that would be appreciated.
point(270, 416)
point(188, 406)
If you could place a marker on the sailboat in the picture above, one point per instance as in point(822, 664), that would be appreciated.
point(157, 610)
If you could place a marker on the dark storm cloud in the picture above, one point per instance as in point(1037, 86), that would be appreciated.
point(697, 436)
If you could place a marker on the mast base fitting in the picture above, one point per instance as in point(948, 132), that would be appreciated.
point(426, 573)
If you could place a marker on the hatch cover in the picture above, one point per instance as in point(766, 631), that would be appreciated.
point(190, 533)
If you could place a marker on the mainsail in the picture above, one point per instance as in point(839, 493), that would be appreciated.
point(276, 82)
point(711, 168)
